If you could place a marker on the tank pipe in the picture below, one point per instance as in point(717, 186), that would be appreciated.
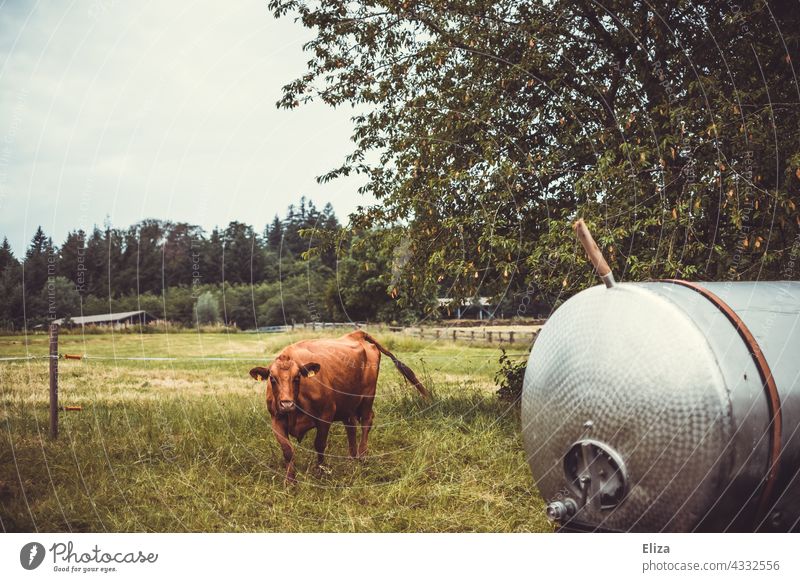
point(594, 254)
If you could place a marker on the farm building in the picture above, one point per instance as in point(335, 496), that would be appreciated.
point(122, 319)
point(480, 308)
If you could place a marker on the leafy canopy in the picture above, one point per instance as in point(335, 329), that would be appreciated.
point(487, 127)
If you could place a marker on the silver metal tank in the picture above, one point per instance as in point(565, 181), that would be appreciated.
point(668, 406)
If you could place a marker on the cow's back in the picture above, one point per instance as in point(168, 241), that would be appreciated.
point(348, 367)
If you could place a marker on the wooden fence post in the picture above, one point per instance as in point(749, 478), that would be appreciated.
point(53, 380)
point(454, 335)
point(489, 335)
point(511, 337)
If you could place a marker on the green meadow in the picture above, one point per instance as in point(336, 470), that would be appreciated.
point(184, 444)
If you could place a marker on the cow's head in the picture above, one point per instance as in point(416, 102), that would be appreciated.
point(284, 377)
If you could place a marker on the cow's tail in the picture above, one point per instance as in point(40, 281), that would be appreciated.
point(407, 372)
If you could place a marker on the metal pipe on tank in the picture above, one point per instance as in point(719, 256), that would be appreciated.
point(594, 254)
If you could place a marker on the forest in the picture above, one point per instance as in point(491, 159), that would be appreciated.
point(304, 267)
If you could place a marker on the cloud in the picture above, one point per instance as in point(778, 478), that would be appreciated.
point(132, 110)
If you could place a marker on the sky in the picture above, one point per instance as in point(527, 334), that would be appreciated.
point(118, 111)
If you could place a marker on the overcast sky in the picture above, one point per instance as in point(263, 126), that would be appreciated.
point(130, 110)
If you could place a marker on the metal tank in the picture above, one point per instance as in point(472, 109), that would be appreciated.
point(668, 406)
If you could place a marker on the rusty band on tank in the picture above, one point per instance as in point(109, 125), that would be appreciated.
point(768, 383)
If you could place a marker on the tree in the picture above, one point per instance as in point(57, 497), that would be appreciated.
point(293, 242)
point(96, 264)
point(297, 298)
point(211, 258)
point(239, 304)
point(120, 273)
point(6, 255)
point(275, 234)
point(39, 255)
point(670, 128)
point(366, 277)
point(242, 259)
point(72, 264)
point(58, 298)
point(11, 309)
point(181, 253)
point(207, 308)
point(179, 304)
point(143, 260)
point(329, 235)
point(111, 264)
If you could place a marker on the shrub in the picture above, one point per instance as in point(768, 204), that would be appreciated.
point(510, 377)
point(207, 309)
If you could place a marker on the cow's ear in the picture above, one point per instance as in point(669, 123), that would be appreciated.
point(309, 370)
point(259, 373)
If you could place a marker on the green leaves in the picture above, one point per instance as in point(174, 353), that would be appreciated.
point(498, 123)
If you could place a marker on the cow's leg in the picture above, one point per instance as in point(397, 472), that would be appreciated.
point(366, 424)
point(320, 442)
point(350, 427)
point(288, 451)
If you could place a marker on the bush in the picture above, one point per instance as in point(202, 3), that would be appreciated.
point(510, 377)
point(207, 309)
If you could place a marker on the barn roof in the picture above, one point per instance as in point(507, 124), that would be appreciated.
point(105, 317)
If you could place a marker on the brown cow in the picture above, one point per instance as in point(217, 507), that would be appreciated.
point(314, 383)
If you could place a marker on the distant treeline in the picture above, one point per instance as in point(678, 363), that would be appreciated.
point(304, 267)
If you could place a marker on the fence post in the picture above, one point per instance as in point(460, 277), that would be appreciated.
point(489, 335)
point(454, 335)
point(472, 336)
point(53, 380)
point(511, 337)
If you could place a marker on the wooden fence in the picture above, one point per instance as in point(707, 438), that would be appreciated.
point(312, 325)
point(483, 334)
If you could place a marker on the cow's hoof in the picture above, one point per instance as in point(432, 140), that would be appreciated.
point(290, 481)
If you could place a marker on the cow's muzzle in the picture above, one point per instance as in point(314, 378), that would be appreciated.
point(286, 405)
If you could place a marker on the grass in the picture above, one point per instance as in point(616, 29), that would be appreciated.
point(184, 445)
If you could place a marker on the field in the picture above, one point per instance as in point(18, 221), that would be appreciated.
point(184, 444)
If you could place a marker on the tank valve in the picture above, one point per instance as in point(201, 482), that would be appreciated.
point(561, 511)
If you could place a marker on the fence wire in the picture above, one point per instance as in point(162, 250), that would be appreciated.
point(88, 357)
